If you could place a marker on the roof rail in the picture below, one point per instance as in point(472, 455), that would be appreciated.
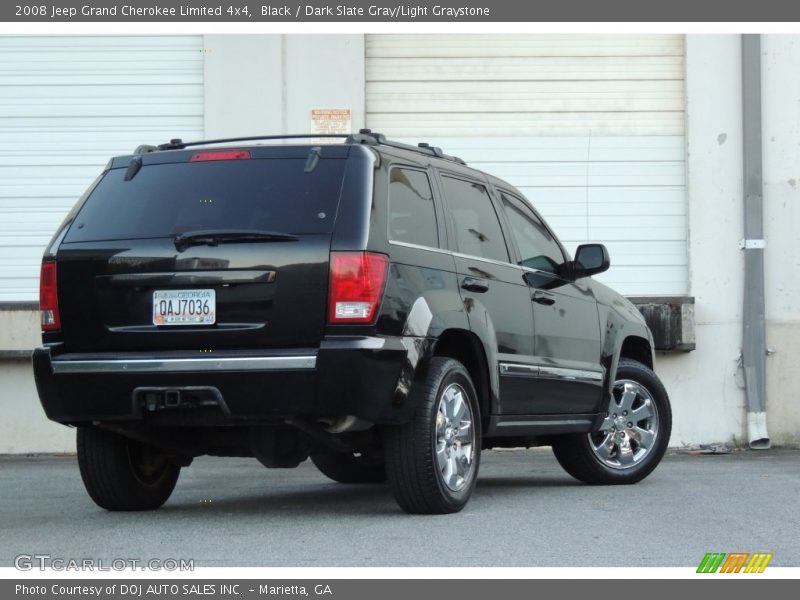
point(367, 136)
point(178, 144)
point(364, 136)
point(144, 149)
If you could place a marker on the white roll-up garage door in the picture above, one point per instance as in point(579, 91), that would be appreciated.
point(589, 127)
point(67, 104)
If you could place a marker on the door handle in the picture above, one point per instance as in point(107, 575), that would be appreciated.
point(479, 286)
point(543, 298)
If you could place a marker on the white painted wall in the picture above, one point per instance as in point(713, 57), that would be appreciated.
point(781, 139)
point(25, 428)
point(242, 84)
point(323, 71)
point(708, 402)
point(268, 84)
point(19, 330)
point(706, 385)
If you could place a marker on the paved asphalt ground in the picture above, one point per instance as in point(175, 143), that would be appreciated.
point(525, 512)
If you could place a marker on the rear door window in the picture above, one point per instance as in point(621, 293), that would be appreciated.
point(163, 200)
point(474, 219)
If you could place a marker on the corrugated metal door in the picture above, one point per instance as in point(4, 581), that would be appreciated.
point(67, 104)
point(589, 127)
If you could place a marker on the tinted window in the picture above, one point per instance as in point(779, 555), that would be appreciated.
point(162, 200)
point(475, 223)
point(537, 246)
point(412, 216)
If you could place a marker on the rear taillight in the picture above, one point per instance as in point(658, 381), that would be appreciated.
point(220, 155)
point(48, 297)
point(356, 286)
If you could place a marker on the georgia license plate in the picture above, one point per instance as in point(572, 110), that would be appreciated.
point(184, 307)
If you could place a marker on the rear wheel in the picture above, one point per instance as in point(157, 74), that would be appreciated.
point(349, 468)
point(432, 461)
point(122, 474)
point(633, 438)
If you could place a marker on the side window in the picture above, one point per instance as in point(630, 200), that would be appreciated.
point(537, 246)
point(412, 216)
point(474, 220)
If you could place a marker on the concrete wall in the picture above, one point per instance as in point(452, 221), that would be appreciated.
point(243, 84)
point(781, 134)
point(24, 427)
point(706, 392)
point(262, 84)
point(706, 385)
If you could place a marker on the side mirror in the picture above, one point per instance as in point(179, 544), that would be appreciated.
point(590, 259)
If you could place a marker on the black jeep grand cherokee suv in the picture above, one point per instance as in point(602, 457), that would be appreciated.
point(380, 308)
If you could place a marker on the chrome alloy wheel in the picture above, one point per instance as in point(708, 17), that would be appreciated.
point(455, 437)
point(630, 428)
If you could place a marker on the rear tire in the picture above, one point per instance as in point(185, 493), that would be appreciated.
point(432, 461)
point(633, 437)
point(121, 474)
point(348, 468)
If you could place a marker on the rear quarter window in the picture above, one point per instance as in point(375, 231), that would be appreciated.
point(163, 200)
point(412, 215)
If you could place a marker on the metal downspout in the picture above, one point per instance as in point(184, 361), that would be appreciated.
point(754, 345)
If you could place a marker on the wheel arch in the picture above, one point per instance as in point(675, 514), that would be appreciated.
point(637, 348)
point(465, 347)
point(632, 346)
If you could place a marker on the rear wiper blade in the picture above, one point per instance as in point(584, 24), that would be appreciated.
point(213, 237)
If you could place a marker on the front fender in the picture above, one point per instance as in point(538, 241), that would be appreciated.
point(619, 321)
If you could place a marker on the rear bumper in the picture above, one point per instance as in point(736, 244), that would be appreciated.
point(366, 377)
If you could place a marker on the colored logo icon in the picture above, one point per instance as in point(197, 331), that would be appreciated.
point(735, 562)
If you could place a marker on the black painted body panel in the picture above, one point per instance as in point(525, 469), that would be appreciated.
point(106, 293)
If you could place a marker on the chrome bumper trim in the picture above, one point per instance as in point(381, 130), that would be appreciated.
point(352, 343)
point(174, 365)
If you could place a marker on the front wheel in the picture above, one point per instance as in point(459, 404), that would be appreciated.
point(123, 474)
point(432, 461)
point(633, 437)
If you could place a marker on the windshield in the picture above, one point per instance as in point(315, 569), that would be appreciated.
point(164, 200)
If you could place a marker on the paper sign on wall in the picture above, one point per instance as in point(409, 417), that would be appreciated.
point(326, 121)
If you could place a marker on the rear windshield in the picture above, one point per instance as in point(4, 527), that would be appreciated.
point(166, 199)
